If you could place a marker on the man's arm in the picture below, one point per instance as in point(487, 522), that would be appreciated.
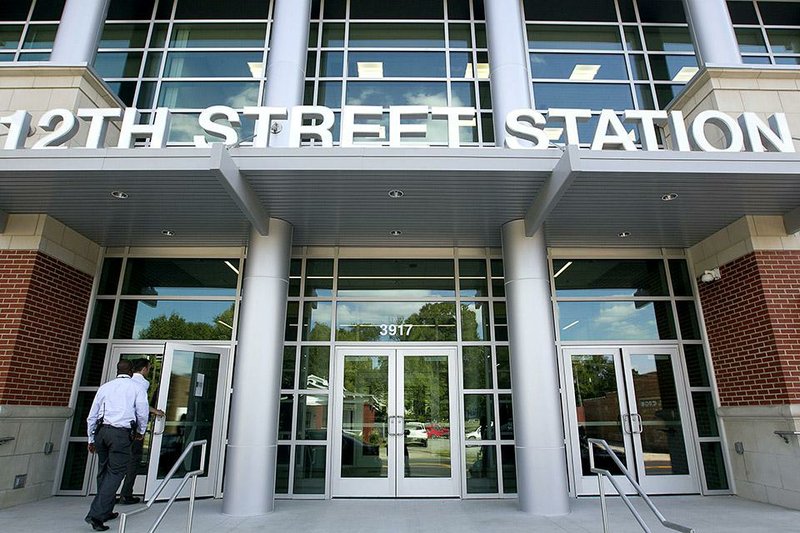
point(91, 420)
point(142, 411)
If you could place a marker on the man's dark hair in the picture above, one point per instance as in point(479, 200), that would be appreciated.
point(124, 367)
point(139, 364)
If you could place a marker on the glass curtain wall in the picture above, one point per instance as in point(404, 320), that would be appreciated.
point(768, 32)
point(186, 55)
point(28, 29)
point(643, 301)
point(607, 54)
point(407, 52)
point(362, 301)
point(149, 301)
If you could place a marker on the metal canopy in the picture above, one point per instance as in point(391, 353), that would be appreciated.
point(339, 196)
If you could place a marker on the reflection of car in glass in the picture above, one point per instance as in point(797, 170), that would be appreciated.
point(475, 434)
point(437, 431)
point(416, 433)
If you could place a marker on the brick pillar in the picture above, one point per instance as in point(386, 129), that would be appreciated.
point(43, 304)
point(46, 275)
point(752, 317)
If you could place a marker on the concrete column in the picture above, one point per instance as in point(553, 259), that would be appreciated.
point(79, 32)
point(253, 434)
point(508, 61)
point(538, 430)
point(286, 62)
point(712, 32)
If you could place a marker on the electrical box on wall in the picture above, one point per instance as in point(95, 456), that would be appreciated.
point(19, 480)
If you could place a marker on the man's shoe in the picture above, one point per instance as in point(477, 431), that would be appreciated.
point(96, 524)
point(129, 501)
point(111, 516)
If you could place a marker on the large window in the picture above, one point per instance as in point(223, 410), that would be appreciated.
point(460, 302)
point(186, 55)
point(408, 52)
point(768, 32)
point(147, 301)
point(28, 29)
point(644, 301)
point(607, 54)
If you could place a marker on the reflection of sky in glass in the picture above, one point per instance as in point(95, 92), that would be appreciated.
point(614, 320)
point(375, 313)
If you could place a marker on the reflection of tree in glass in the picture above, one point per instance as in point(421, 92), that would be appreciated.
point(469, 324)
point(426, 389)
point(177, 327)
point(594, 377)
point(430, 318)
point(320, 332)
point(359, 332)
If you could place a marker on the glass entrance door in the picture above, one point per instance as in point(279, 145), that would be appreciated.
point(396, 423)
point(191, 394)
point(634, 398)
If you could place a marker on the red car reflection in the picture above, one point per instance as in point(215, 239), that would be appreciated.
point(437, 431)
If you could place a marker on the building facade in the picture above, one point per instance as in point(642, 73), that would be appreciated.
point(415, 249)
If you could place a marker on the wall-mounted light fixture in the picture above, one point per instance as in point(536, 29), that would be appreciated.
point(710, 275)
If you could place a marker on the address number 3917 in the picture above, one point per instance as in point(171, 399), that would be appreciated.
point(396, 329)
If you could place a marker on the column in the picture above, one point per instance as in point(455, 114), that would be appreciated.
point(286, 62)
point(508, 61)
point(538, 429)
point(253, 432)
point(79, 32)
point(712, 32)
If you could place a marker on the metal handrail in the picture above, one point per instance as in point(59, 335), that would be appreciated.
point(786, 434)
point(189, 475)
point(601, 473)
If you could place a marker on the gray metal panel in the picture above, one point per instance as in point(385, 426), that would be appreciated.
point(453, 197)
point(616, 192)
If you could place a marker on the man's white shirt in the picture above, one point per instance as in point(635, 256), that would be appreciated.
point(141, 381)
point(118, 403)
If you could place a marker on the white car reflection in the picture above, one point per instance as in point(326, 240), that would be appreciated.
point(416, 433)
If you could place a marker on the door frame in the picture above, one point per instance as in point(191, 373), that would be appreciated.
point(206, 485)
point(115, 353)
point(394, 485)
point(587, 485)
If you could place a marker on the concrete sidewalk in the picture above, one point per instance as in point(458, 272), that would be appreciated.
point(714, 514)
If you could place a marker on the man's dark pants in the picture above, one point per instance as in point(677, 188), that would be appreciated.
point(113, 447)
point(133, 469)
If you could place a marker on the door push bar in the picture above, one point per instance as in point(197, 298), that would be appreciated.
point(632, 423)
point(396, 421)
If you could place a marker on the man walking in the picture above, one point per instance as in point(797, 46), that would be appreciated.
point(141, 370)
point(118, 416)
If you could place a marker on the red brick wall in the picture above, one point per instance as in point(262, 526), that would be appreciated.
point(752, 317)
point(43, 305)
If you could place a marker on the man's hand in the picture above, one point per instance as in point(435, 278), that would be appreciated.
point(138, 436)
point(159, 412)
point(91, 447)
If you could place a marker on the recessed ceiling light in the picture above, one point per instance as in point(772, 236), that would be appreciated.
point(685, 74)
point(584, 72)
point(119, 195)
point(624, 234)
point(669, 196)
point(370, 69)
point(167, 232)
point(395, 233)
point(396, 193)
point(256, 69)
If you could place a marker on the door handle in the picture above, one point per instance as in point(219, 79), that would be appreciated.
point(626, 424)
point(636, 417)
point(159, 425)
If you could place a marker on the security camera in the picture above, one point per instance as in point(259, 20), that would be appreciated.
point(710, 275)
